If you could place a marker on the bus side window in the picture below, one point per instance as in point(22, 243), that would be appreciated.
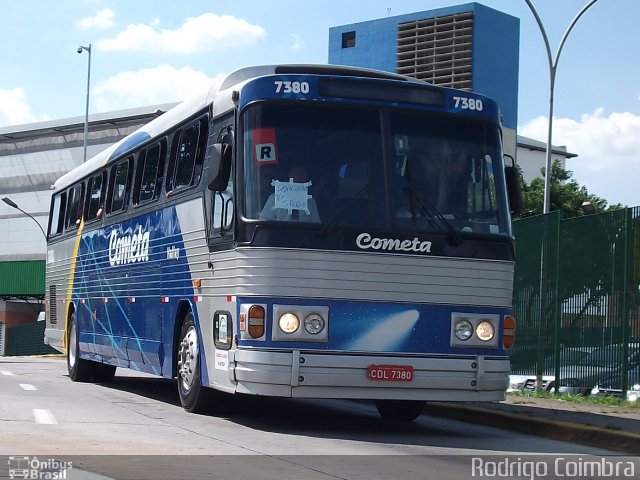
point(149, 174)
point(56, 220)
point(74, 207)
point(119, 186)
point(95, 197)
point(187, 157)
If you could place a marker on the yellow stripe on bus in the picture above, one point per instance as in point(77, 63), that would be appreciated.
point(72, 273)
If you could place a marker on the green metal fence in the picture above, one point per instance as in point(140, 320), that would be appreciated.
point(577, 302)
point(27, 340)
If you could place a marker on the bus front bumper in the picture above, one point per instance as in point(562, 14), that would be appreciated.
point(304, 374)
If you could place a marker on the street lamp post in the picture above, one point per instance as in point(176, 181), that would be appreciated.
point(553, 67)
point(13, 204)
point(86, 112)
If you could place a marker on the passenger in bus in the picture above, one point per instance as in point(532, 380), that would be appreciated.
point(266, 175)
point(290, 200)
point(325, 191)
point(442, 177)
point(410, 206)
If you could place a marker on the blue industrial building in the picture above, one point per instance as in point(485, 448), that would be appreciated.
point(469, 46)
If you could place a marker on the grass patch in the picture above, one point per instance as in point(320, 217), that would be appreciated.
point(573, 398)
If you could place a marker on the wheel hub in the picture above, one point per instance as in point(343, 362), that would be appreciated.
point(72, 346)
point(188, 358)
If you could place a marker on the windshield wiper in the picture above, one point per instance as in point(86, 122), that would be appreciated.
point(431, 213)
point(332, 223)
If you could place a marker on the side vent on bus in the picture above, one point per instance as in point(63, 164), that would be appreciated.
point(53, 305)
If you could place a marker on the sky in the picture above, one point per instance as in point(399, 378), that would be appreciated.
point(148, 52)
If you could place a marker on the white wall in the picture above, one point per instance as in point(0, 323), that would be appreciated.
point(532, 157)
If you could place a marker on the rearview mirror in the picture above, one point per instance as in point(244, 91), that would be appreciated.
point(512, 177)
point(220, 166)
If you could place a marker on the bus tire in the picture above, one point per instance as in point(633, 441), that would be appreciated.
point(104, 373)
point(400, 410)
point(79, 370)
point(193, 396)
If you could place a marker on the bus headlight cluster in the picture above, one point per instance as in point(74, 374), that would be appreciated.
point(302, 323)
point(283, 323)
point(474, 330)
point(484, 330)
point(313, 323)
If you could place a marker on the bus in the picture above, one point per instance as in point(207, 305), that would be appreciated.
point(306, 231)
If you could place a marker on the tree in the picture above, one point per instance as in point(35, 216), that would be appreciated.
point(566, 195)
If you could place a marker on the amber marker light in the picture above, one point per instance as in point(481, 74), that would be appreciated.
point(508, 331)
point(256, 321)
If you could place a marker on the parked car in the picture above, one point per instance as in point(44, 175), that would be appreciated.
point(611, 386)
point(601, 363)
point(568, 356)
point(518, 383)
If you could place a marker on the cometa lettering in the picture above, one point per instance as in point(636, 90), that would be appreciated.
point(365, 241)
point(129, 248)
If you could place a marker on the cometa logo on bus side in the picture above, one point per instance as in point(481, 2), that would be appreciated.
point(129, 248)
point(366, 242)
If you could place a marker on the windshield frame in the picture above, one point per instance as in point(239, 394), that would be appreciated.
point(387, 149)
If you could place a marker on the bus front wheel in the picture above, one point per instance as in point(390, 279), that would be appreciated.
point(400, 410)
point(193, 396)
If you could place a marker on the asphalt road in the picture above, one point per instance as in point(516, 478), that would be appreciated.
point(135, 428)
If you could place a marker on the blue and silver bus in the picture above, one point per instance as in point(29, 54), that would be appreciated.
point(297, 231)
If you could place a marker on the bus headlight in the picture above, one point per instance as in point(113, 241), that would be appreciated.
point(485, 331)
point(463, 330)
point(288, 322)
point(314, 324)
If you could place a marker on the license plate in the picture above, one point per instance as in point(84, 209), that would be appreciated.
point(391, 373)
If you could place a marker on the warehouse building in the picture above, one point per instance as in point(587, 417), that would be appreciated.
point(32, 157)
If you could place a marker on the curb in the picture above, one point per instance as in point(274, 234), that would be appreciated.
point(620, 441)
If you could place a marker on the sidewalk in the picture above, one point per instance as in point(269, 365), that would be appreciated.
point(605, 426)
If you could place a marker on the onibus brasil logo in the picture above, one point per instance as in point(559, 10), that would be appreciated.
point(36, 469)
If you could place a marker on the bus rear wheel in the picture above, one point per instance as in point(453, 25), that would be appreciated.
point(193, 396)
point(84, 370)
point(400, 410)
point(79, 370)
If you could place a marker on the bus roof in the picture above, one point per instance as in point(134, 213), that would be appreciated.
point(220, 97)
point(248, 73)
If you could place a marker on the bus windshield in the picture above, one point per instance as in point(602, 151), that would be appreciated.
point(387, 169)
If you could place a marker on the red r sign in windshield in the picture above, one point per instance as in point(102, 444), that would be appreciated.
point(264, 140)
